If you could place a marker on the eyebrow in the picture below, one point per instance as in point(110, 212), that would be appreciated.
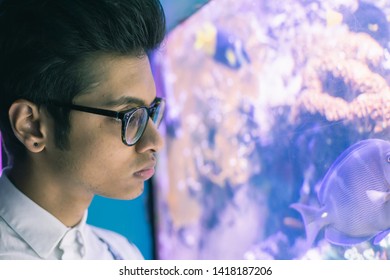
point(124, 100)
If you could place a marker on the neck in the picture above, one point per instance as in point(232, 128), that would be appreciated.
point(66, 203)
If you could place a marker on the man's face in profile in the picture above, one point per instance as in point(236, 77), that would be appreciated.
point(98, 162)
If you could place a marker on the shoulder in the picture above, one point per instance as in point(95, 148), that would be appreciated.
point(120, 243)
point(12, 246)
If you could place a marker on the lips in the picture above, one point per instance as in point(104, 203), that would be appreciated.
point(145, 173)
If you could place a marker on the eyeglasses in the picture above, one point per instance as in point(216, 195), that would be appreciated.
point(134, 120)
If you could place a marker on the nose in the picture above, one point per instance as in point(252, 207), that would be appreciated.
point(151, 140)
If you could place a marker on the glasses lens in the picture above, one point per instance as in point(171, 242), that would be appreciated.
point(138, 121)
point(136, 125)
point(158, 112)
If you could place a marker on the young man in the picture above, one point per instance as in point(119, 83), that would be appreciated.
point(79, 117)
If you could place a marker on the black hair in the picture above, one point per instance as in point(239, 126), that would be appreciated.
point(47, 45)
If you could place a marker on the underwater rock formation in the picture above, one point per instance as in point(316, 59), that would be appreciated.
point(247, 140)
point(358, 95)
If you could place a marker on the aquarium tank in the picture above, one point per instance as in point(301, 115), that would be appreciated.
point(275, 108)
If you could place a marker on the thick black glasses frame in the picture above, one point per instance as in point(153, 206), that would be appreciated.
point(124, 116)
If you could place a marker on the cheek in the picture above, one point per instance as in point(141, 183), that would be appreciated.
point(98, 149)
point(110, 174)
point(101, 157)
point(107, 171)
point(102, 163)
point(94, 137)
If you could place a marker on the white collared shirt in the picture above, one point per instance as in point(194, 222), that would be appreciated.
point(27, 231)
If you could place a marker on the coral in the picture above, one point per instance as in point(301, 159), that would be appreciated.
point(360, 96)
point(363, 251)
point(244, 143)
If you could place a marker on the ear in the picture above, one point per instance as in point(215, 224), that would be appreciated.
point(26, 122)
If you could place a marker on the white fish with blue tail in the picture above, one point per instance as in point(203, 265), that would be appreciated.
point(354, 197)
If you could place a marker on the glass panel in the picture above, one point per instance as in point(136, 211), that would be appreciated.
point(263, 97)
point(1, 153)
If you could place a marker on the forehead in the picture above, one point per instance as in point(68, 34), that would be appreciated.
point(117, 80)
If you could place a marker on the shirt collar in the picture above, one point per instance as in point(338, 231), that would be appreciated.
point(40, 229)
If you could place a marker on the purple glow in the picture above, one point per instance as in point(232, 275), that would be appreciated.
point(1, 155)
point(259, 106)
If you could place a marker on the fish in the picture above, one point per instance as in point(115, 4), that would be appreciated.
point(222, 46)
point(371, 20)
point(354, 197)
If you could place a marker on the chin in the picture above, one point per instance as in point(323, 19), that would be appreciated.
point(129, 193)
point(123, 191)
